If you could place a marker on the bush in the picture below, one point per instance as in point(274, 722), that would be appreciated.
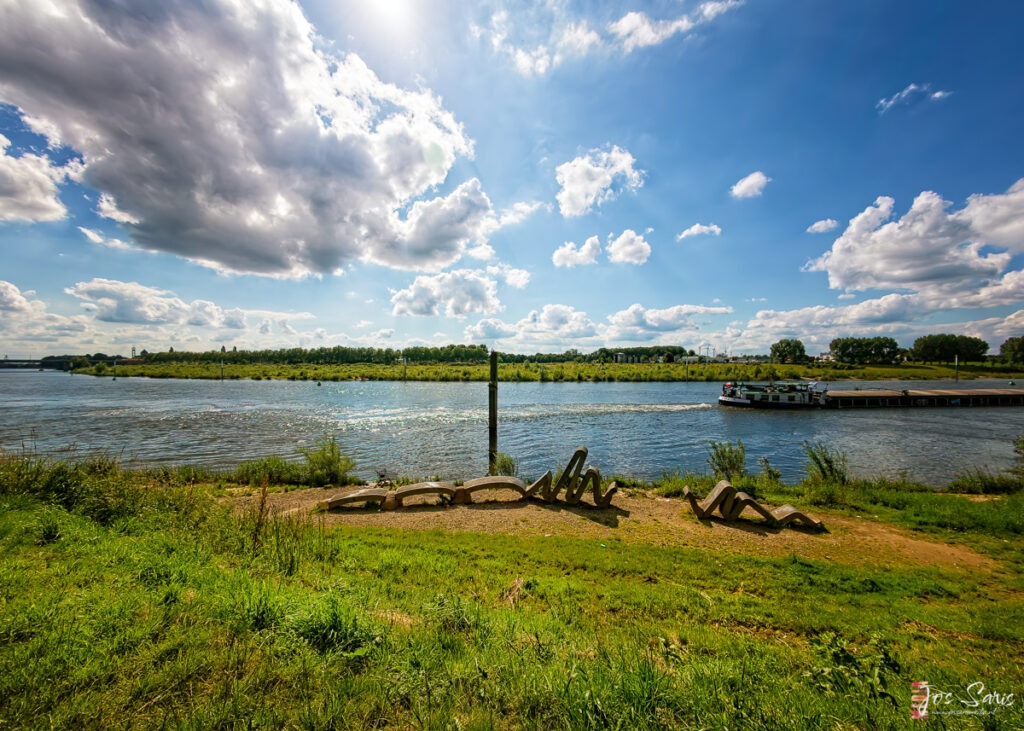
point(506, 464)
point(326, 465)
point(727, 460)
point(272, 470)
point(825, 465)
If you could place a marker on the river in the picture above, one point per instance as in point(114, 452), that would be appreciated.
point(440, 429)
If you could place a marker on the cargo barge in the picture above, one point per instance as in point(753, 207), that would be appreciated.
point(812, 395)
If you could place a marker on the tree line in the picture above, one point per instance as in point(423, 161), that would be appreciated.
point(940, 348)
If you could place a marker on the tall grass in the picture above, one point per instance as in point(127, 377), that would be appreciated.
point(324, 464)
point(727, 460)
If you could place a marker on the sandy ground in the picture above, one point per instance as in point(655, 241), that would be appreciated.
point(644, 518)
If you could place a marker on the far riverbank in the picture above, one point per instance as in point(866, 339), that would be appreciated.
point(559, 372)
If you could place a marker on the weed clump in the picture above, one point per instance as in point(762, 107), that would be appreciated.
point(727, 460)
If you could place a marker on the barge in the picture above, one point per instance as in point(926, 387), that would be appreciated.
point(810, 394)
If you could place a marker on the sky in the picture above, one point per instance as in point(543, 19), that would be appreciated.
point(532, 176)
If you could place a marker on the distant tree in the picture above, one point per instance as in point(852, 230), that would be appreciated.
point(1012, 351)
point(944, 348)
point(789, 351)
point(861, 351)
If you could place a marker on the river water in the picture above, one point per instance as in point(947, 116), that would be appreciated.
point(440, 429)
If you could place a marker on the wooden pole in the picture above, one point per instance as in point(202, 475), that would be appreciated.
point(492, 415)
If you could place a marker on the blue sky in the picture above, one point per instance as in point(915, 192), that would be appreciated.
point(534, 176)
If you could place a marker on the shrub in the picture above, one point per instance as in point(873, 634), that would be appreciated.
point(982, 482)
point(727, 460)
point(506, 464)
point(825, 465)
point(272, 470)
point(326, 465)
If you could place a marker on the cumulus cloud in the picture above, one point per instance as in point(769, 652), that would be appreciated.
point(550, 326)
point(112, 301)
point(455, 294)
point(930, 250)
point(516, 278)
point(823, 226)
point(560, 326)
point(29, 186)
point(569, 255)
point(156, 310)
point(751, 186)
point(12, 299)
point(637, 323)
point(24, 319)
point(595, 178)
point(700, 229)
point(254, 151)
point(629, 248)
point(912, 94)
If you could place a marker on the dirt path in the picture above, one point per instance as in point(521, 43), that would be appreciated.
point(646, 518)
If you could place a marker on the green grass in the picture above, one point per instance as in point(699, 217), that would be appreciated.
point(130, 600)
point(568, 372)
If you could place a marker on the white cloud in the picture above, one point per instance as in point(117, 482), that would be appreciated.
point(29, 187)
point(636, 30)
point(255, 151)
point(159, 311)
point(545, 35)
point(551, 326)
point(454, 294)
point(12, 299)
point(578, 39)
point(25, 320)
point(107, 208)
point(99, 239)
point(930, 250)
point(912, 94)
point(535, 62)
point(558, 327)
point(637, 323)
point(700, 229)
point(594, 178)
point(489, 328)
point(517, 278)
point(519, 212)
point(629, 248)
point(750, 186)
point(823, 226)
point(129, 302)
point(568, 255)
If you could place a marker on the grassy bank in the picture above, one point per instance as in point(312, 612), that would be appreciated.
point(139, 599)
point(556, 372)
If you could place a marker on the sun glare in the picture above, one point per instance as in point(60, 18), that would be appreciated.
point(394, 17)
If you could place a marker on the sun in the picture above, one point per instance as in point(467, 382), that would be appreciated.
point(393, 17)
